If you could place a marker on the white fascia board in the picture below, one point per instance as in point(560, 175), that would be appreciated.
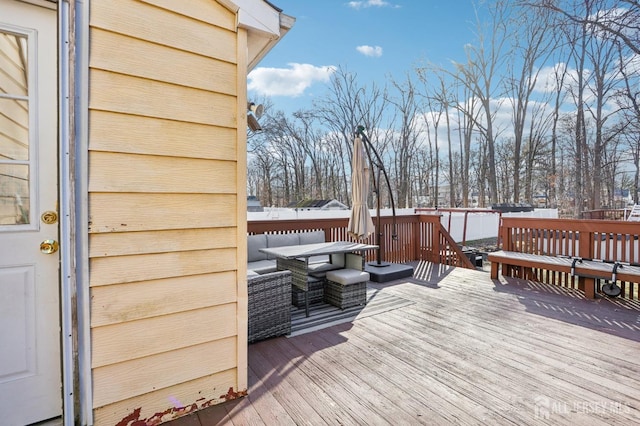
point(265, 25)
point(256, 15)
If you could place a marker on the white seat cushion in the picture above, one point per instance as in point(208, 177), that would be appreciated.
point(347, 276)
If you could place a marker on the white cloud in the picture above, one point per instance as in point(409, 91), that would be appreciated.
point(369, 3)
point(548, 76)
point(373, 51)
point(617, 19)
point(502, 116)
point(291, 81)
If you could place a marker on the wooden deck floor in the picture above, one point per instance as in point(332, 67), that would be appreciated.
point(462, 350)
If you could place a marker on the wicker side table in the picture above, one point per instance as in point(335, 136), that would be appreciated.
point(269, 305)
point(302, 282)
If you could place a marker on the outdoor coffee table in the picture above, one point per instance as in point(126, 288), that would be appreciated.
point(296, 259)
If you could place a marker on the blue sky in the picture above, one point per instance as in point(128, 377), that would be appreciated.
point(371, 38)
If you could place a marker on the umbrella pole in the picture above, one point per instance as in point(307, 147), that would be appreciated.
point(380, 167)
point(379, 240)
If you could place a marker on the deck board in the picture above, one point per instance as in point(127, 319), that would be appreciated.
point(450, 346)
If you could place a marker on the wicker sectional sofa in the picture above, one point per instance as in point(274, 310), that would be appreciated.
point(269, 300)
point(269, 290)
point(261, 263)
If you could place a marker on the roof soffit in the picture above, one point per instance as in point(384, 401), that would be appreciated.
point(265, 25)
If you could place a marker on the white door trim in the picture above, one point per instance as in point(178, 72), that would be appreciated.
point(74, 234)
point(67, 275)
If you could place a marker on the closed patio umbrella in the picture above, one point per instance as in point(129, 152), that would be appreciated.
point(360, 222)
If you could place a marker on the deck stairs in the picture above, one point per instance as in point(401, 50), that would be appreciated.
point(634, 214)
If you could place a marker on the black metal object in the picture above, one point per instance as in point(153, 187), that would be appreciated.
point(612, 289)
point(573, 265)
point(512, 207)
point(376, 183)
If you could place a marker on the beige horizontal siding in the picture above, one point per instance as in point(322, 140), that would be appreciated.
point(128, 269)
point(207, 11)
point(119, 303)
point(117, 172)
point(145, 242)
point(147, 22)
point(116, 343)
point(164, 111)
point(138, 134)
point(164, 404)
point(113, 212)
point(136, 377)
point(133, 95)
point(121, 54)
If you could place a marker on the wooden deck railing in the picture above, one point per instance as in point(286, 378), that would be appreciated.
point(605, 214)
point(420, 237)
point(606, 240)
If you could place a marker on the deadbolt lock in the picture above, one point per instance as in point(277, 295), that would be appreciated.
point(49, 217)
point(49, 246)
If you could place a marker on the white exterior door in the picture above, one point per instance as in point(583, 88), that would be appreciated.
point(30, 376)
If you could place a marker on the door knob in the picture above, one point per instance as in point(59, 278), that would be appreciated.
point(49, 246)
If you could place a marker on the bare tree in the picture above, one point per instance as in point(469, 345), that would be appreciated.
point(559, 73)
point(606, 77)
point(263, 167)
point(480, 75)
point(439, 101)
point(405, 137)
point(620, 18)
point(537, 151)
point(348, 105)
point(531, 45)
point(300, 129)
point(629, 102)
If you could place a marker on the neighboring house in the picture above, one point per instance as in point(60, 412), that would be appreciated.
point(622, 198)
point(123, 205)
point(253, 204)
point(318, 205)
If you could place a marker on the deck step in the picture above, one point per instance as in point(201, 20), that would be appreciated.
point(634, 214)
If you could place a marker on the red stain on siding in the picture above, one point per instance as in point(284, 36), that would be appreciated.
point(231, 394)
point(134, 419)
point(130, 418)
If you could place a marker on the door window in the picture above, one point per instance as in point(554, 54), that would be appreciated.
point(15, 191)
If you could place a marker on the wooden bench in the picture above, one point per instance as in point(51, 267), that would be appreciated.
point(588, 270)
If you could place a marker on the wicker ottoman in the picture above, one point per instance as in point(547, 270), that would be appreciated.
point(345, 288)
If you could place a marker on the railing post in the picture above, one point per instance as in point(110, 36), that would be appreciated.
point(327, 234)
point(464, 229)
point(588, 285)
point(435, 242)
point(503, 233)
point(417, 238)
